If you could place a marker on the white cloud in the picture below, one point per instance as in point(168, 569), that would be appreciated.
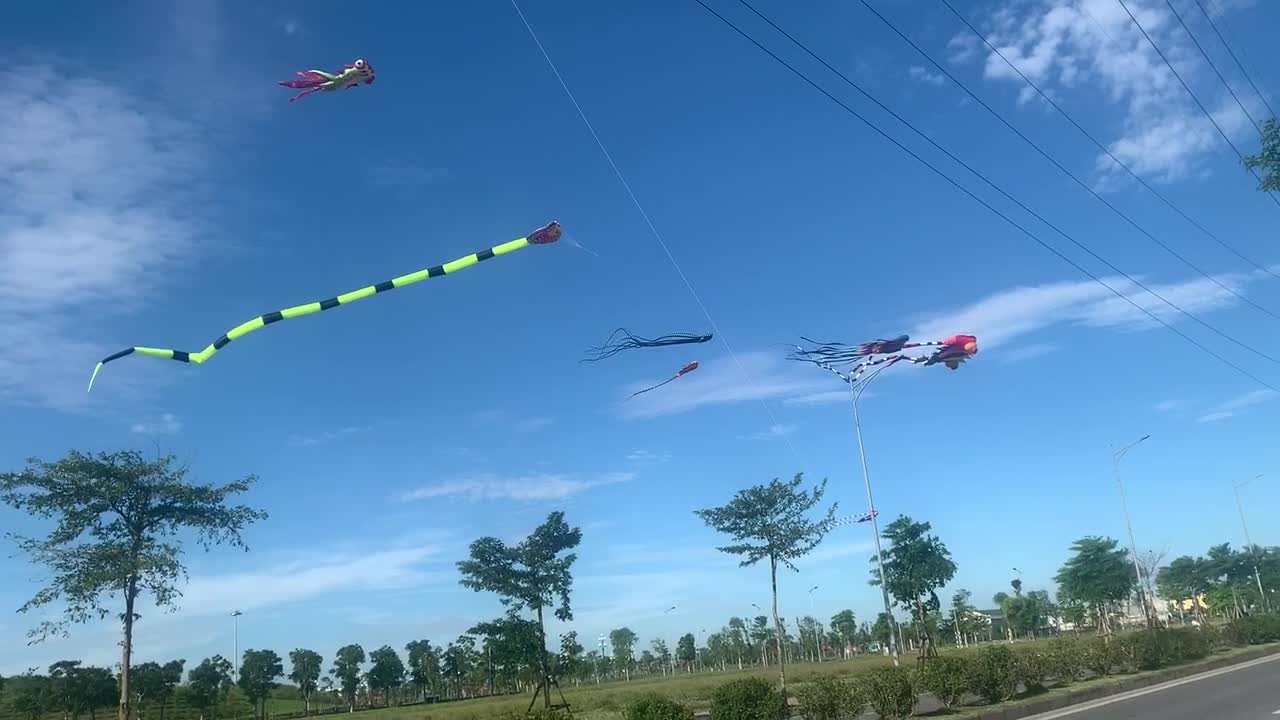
point(168, 424)
point(1235, 405)
point(328, 436)
point(926, 76)
point(494, 417)
point(720, 381)
point(774, 431)
point(1168, 405)
point(291, 27)
point(644, 456)
point(95, 182)
point(821, 398)
point(1029, 352)
point(529, 488)
point(828, 551)
point(1065, 44)
point(1010, 314)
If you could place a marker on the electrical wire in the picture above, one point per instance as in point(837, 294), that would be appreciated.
point(1093, 139)
point(956, 184)
point(1235, 59)
point(1209, 60)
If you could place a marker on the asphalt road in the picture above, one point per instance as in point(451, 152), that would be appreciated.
point(1251, 692)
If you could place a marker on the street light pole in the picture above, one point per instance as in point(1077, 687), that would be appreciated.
point(854, 394)
point(817, 641)
point(1124, 503)
point(235, 643)
point(1262, 596)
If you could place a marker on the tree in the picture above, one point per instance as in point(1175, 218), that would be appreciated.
point(208, 683)
point(305, 673)
point(531, 574)
point(387, 672)
point(770, 522)
point(1098, 573)
point(258, 673)
point(882, 630)
point(1268, 158)
point(1185, 578)
point(844, 626)
point(966, 622)
point(424, 665)
point(118, 519)
point(346, 668)
point(662, 652)
point(570, 657)
point(623, 641)
point(687, 651)
point(155, 683)
point(32, 698)
point(74, 689)
point(916, 565)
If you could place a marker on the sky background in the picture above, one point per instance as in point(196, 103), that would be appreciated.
point(158, 189)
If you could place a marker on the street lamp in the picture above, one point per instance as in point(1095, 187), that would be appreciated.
point(235, 643)
point(1116, 457)
point(817, 640)
point(1235, 487)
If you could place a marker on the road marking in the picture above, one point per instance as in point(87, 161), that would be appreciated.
point(1153, 689)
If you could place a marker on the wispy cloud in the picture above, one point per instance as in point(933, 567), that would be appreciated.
point(830, 550)
point(1063, 45)
point(168, 424)
point(821, 398)
point(926, 76)
point(292, 27)
point(527, 488)
point(402, 174)
point(492, 417)
point(1009, 315)
point(328, 436)
point(1028, 352)
point(1235, 405)
point(96, 183)
point(719, 381)
point(1168, 405)
point(773, 431)
point(644, 456)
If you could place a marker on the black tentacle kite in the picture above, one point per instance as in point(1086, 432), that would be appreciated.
point(622, 339)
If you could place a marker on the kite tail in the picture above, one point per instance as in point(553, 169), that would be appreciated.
point(652, 387)
point(544, 235)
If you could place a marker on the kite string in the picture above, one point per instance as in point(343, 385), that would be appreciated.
point(652, 228)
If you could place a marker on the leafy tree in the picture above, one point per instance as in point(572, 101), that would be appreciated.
point(532, 574)
point(209, 683)
point(687, 650)
point(966, 620)
point(916, 565)
point(570, 657)
point(770, 522)
point(459, 662)
point(662, 652)
point(32, 698)
point(738, 638)
point(346, 668)
point(1268, 158)
point(386, 673)
point(1098, 573)
point(305, 673)
point(844, 626)
point(155, 683)
point(424, 665)
point(882, 630)
point(623, 641)
point(118, 517)
point(511, 643)
point(74, 689)
point(258, 673)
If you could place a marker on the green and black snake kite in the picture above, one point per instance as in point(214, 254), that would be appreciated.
point(542, 236)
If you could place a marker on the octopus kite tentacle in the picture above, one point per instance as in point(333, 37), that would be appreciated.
point(542, 236)
point(622, 339)
point(856, 519)
point(683, 371)
point(842, 354)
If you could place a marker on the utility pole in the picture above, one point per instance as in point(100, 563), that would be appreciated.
point(1262, 595)
point(235, 643)
point(1133, 547)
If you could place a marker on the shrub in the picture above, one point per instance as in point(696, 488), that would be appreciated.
point(1065, 659)
point(1213, 635)
point(830, 698)
point(1031, 666)
point(656, 707)
point(993, 674)
point(1124, 653)
point(947, 677)
point(1098, 656)
point(891, 692)
point(747, 699)
point(1254, 630)
point(1185, 645)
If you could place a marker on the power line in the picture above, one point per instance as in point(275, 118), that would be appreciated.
point(652, 228)
point(1199, 104)
point(999, 189)
point(1209, 60)
point(1092, 139)
point(956, 184)
point(1244, 72)
point(1065, 171)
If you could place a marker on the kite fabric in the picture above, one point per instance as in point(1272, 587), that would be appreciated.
point(544, 235)
point(952, 352)
point(312, 81)
point(683, 371)
point(622, 339)
point(857, 519)
point(842, 354)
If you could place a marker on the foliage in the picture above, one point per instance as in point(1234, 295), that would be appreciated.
point(1098, 657)
point(305, 672)
point(891, 692)
point(258, 675)
point(32, 699)
point(209, 683)
point(623, 641)
point(1268, 158)
point(947, 677)
point(387, 671)
point(118, 519)
point(424, 664)
point(831, 698)
point(844, 626)
point(656, 707)
point(994, 673)
point(155, 682)
point(771, 522)
point(1030, 667)
point(74, 689)
point(1098, 573)
point(1254, 630)
point(346, 668)
point(748, 699)
point(686, 649)
point(1065, 659)
point(916, 564)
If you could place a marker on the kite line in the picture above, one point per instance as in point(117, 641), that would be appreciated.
point(542, 236)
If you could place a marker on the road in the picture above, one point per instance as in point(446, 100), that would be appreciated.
point(1250, 691)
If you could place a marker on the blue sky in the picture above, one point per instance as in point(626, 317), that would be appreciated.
point(160, 189)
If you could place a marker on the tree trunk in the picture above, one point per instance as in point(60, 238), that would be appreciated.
point(130, 595)
point(777, 625)
point(542, 662)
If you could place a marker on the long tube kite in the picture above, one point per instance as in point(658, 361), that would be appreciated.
point(683, 371)
point(542, 236)
point(622, 339)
